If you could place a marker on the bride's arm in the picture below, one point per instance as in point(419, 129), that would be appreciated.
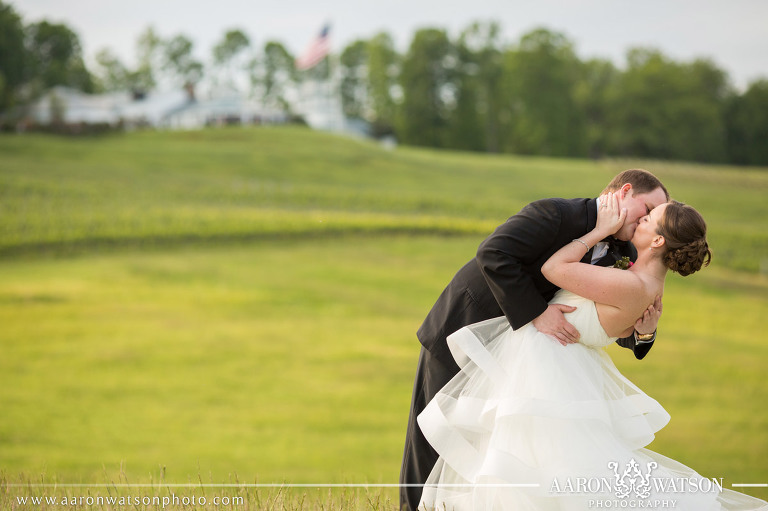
point(602, 285)
point(599, 284)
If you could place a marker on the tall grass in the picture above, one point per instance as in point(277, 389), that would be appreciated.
point(43, 494)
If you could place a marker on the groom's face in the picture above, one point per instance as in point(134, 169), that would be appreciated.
point(638, 205)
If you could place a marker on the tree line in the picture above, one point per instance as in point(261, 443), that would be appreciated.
point(538, 97)
point(472, 92)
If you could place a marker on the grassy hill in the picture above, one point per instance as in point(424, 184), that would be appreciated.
point(242, 303)
point(143, 189)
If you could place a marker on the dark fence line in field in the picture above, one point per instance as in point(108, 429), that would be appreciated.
point(45, 249)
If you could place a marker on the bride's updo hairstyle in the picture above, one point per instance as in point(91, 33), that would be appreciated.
point(685, 236)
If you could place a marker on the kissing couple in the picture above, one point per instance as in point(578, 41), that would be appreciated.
point(514, 394)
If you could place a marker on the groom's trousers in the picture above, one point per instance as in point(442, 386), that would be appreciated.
point(419, 457)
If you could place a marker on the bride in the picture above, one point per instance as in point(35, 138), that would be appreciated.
point(530, 424)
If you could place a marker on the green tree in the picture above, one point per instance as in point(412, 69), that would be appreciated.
point(13, 55)
point(747, 121)
point(664, 109)
point(475, 121)
point(542, 116)
point(428, 79)
point(709, 91)
point(597, 82)
point(228, 55)
point(353, 64)
point(464, 129)
point(56, 57)
point(274, 74)
point(180, 61)
point(149, 52)
point(383, 72)
point(111, 74)
point(639, 105)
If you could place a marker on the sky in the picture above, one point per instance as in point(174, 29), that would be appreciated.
point(732, 33)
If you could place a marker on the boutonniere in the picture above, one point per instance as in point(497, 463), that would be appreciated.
point(624, 263)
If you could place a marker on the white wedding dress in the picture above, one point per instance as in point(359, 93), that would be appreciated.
point(531, 425)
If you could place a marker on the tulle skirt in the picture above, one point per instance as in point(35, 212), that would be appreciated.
point(530, 424)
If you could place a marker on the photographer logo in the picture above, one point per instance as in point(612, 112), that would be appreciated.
point(634, 485)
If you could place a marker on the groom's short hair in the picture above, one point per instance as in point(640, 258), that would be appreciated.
point(641, 180)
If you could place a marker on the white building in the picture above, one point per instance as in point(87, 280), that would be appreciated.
point(71, 106)
point(319, 104)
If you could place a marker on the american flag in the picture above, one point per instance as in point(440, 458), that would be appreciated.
point(316, 51)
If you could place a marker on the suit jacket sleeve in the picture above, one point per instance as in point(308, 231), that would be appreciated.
point(640, 350)
point(521, 241)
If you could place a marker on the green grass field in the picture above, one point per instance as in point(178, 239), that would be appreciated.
point(241, 304)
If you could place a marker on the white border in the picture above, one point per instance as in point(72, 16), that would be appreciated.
point(264, 485)
point(298, 485)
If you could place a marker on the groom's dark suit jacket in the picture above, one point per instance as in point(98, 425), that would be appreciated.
point(505, 276)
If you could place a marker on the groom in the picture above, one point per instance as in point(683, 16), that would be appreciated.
point(505, 278)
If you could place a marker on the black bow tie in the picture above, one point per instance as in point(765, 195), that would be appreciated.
point(613, 242)
point(616, 249)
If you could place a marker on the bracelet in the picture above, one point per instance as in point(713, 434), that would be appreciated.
point(582, 242)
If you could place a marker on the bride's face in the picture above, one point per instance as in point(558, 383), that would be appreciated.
point(646, 227)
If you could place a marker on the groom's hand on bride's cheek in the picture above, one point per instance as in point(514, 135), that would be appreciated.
point(553, 323)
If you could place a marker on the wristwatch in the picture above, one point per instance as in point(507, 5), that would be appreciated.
point(645, 337)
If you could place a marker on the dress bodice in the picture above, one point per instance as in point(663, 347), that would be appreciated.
point(585, 319)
